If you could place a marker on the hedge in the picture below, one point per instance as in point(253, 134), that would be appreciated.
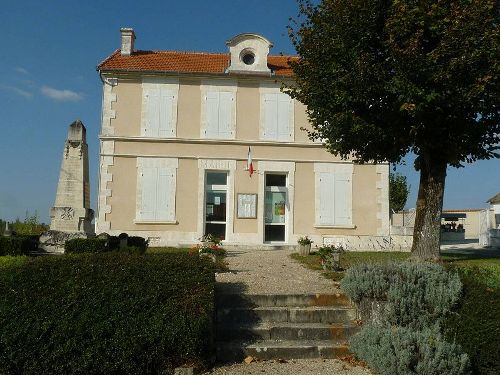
point(102, 245)
point(475, 321)
point(18, 245)
point(107, 313)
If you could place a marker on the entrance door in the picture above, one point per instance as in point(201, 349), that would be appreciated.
point(215, 204)
point(275, 207)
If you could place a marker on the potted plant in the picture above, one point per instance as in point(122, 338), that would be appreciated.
point(330, 257)
point(304, 245)
point(209, 247)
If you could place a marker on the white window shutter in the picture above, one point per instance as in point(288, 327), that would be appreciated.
point(212, 113)
point(166, 114)
point(284, 131)
point(152, 100)
point(270, 116)
point(327, 199)
point(226, 100)
point(342, 199)
point(165, 195)
point(149, 192)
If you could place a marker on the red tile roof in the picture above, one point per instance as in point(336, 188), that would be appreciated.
point(184, 62)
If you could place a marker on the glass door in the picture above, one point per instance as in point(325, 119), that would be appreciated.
point(275, 207)
point(216, 204)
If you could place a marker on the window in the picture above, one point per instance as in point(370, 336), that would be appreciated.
point(277, 117)
point(333, 194)
point(216, 204)
point(219, 115)
point(156, 188)
point(159, 109)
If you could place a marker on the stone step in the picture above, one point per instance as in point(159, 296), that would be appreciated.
point(286, 331)
point(270, 349)
point(269, 300)
point(315, 314)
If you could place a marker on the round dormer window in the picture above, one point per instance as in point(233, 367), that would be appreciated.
point(248, 57)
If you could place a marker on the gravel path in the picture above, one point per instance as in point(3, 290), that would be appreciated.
point(293, 367)
point(271, 271)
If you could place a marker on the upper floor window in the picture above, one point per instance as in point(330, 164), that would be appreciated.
point(277, 116)
point(218, 110)
point(159, 108)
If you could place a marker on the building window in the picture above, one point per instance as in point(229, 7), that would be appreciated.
point(218, 109)
point(159, 109)
point(156, 189)
point(333, 194)
point(219, 115)
point(275, 207)
point(277, 117)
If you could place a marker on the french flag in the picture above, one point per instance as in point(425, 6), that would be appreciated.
point(249, 162)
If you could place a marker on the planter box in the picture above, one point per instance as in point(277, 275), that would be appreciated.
point(304, 249)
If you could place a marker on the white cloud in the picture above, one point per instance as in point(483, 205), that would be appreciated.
point(21, 70)
point(18, 91)
point(61, 95)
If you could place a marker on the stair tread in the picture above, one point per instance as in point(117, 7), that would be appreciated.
point(263, 325)
point(282, 343)
point(278, 308)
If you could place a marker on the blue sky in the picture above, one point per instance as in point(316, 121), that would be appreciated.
point(48, 79)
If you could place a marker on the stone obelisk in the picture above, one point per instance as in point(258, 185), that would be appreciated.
point(71, 216)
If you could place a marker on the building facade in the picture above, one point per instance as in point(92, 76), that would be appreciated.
point(178, 130)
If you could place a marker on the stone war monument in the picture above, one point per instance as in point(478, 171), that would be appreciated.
point(71, 216)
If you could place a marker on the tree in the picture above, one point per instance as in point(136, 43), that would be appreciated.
point(381, 78)
point(398, 191)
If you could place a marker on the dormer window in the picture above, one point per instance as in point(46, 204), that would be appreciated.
point(248, 57)
point(249, 54)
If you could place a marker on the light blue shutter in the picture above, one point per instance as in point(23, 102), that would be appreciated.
point(165, 193)
point(270, 116)
point(326, 199)
point(212, 115)
point(148, 196)
point(284, 107)
point(166, 114)
point(342, 196)
point(226, 100)
point(152, 100)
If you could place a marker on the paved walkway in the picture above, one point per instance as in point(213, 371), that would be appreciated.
point(271, 271)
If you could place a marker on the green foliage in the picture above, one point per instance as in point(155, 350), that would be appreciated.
point(304, 240)
point(30, 226)
point(18, 245)
point(398, 192)
point(474, 322)
point(100, 245)
point(404, 351)
point(381, 78)
point(330, 257)
point(418, 295)
point(112, 313)
point(86, 245)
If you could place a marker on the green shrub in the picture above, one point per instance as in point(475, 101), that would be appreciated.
point(18, 245)
point(475, 321)
point(85, 245)
point(417, 294)
point(404, 351)
point(138, 242)
point(111, 313)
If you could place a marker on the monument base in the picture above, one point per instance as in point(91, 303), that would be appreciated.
point(53, 241)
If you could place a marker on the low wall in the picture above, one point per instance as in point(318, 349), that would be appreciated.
point(371, 243)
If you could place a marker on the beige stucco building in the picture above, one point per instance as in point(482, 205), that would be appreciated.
point(176, 132)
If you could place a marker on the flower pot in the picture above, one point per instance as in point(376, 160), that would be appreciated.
point(304, 249)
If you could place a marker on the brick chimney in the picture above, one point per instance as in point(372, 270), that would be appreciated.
point(128, 38)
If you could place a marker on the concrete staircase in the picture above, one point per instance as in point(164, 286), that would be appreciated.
point(283, 326)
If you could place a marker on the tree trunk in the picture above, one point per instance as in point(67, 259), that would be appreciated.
point(427, 230)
